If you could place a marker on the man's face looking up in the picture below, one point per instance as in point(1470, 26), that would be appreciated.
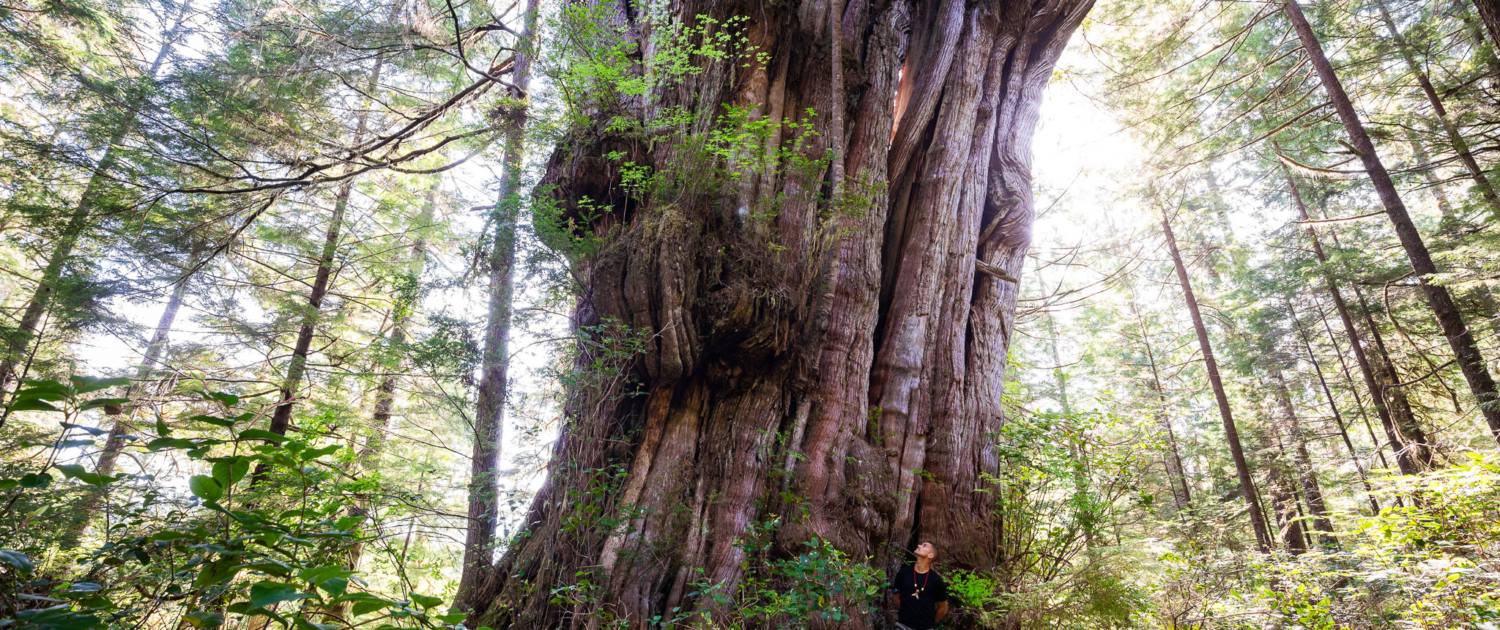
point(926, 550)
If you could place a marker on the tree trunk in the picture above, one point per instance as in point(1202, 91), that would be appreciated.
point(1489, 13)
point(1460, 338)
point(837, 347)
point(1284, 506)
point(1333, 407)
point(281, 419)
point(1456, 139)
point(1176, 477)
point(489, 413)
point(1389, 405)
point(114, 443)
point(1231, 432)
point(78, 222)
point(1294, 435)
point(1408, 431)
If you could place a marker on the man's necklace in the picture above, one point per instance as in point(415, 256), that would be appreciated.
point(927, 575)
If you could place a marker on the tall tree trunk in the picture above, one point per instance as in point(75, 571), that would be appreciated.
point(114, 443)
point(1408, 431)
point(1333, 407)
point(1389, 405)
point(1489, 13)
point(1176, 477)
point(1058, 374)
point(1460, 338)
point(1211, 366)
point(281, 418)
point(1284, 506)
point(860, 345)
point(390, 378)
point(1294, 436)
point(489, 412)
point(1434, 183)
point(1354, 390)
point(78, 221)
point(1459, 144)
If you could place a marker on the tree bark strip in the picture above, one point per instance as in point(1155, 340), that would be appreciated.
point(1294, 436)
point(494, 382)
point(1460, 338)
point(1211, 366)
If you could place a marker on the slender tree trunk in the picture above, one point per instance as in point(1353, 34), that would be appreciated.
point(385, 393)
point(1057, 372)
point(21, 338)
point(1176, 477)
point(1333, 407)
point(114, 443)
point(281, 418)
point(1445, 208)
point(489, 413)
point(1460, 338)
point(1359, 402)
point(862, 343)
point(1456, 139)
point(1289, 425)
point(1285, 509)
point(1389, 406)
point(1211, 366)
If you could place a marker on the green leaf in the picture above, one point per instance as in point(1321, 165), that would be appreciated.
point(16, 560)
point(205, 488)
point(103, 402)
point(260, 434)
point(229, 472)
point(425, 601)
point(334, 586)
point(265, 594)
point(203, 619)
point(74, 471)
point(161, 428)
point(35, 480)
point(86, 384)
point(166, 443)
point(57, 618)
point(213, 420)
point(229, 400)
point(304, 624)
point(45, 390)
point(30, 404)
point(94, 431)
point(368, 605)
point(312, 454)
point(220, 571)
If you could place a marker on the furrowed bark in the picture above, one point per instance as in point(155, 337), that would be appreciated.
point(1489, 13)
point(1460, 338)
point(494, 382)
point(1282, 490)
point(802, 361)
point(1211, 366)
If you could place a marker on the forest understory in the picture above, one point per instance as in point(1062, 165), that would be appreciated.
point(702, 314)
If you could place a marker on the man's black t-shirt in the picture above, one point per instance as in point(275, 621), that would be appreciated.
point(920, 594)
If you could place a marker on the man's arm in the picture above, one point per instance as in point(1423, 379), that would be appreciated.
point(942, 611)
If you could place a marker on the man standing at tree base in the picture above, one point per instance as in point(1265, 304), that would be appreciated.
point(921, 594)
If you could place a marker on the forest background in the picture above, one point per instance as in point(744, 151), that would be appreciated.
point(292, 326)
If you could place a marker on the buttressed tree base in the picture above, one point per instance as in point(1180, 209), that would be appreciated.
point(823, 365)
